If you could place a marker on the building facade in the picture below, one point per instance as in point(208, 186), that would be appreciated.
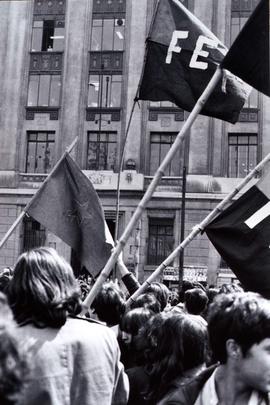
point(71, 68)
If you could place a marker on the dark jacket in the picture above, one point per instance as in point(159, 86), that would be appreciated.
point(186, 393)
point(138, 385)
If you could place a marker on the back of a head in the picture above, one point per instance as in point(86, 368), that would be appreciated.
point(161, 292)
point(183, 339)
point(243, 317)
point(195, 301)
point(187, 285)
point(230, 288)
point(212, 292)
point(181, 343)
point(147, 301)
point(43, 289)
point(13, 365)
point(134, 319)
point(109, 304)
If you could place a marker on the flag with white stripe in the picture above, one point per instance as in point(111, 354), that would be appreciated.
point(241, 235)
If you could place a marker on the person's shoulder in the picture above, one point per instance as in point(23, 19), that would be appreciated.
point(90, 326)
point(89, 320)
point(186, 391)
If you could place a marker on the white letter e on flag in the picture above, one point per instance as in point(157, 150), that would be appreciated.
point(198, 51)
point(173, 44)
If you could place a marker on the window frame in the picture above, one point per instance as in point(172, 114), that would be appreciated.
point(179, 157)
point(105, 102)
point(38, 233)
point(47, 35)
point(36, 142)
point(236, 167)
point(99, 143)
point(159, 237)
point(41, 76)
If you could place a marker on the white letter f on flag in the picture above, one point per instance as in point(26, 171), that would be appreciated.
point(173, 44)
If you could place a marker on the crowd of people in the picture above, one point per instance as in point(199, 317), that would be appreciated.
point(208, 346)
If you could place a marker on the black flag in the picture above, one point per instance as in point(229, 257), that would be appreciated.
point(241, 235)
point(248, 57)
point(182, 55)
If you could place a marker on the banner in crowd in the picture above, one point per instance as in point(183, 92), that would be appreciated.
point(182, 55)
point(248, 57)
point(68, 205)
point(241, 234)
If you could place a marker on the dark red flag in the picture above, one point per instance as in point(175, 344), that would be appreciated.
point(68, 205)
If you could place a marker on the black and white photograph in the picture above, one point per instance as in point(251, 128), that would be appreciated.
point(134, 202)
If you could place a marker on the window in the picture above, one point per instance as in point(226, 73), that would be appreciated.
point(48, 35)
point(161, 240)
point(40, 152)
point(160, 104)
point(34, 234)
point(160, 144)
point(108, 34)
point(237, 23)
point(44, 90)
point(101, 153)
point(242, 154)
point(252, 101)
point(240, 13)
point(104, 90)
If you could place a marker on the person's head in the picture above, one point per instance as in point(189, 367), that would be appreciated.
point(181, 343)
point(186, 285)
point(230, 288)
point(13, 366)
point(174, 299)
point(212, 292)
point(147, 301)
point(5, 277)
point(161, 292)
point(132, 321)
point(109, 304)
point(195, 301)
point(183, 340)
point(239, 333)
point(43, 289)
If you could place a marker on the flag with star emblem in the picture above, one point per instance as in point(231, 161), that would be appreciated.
point(68, 205)
point(182, 55)
point(241, 235)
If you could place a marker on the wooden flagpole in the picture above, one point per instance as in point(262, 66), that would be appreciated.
point(199, 228)
point(24, 212)
point(150, 191)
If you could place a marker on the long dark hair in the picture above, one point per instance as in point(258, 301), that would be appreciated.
point(43, 289)
point(182, 345)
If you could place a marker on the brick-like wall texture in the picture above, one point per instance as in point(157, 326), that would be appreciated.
point(11, 249)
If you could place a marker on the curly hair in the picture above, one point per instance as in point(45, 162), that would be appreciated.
point(244, 317)
point(43, 289)
point(147, 301)
point(13, 365)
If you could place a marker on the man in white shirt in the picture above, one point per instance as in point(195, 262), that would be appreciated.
point(239, 334)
